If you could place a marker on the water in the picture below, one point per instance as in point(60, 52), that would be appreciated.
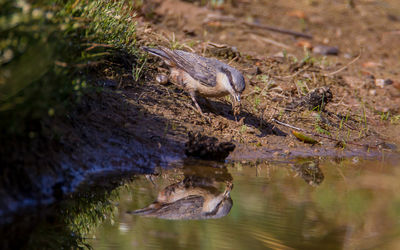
point(304, 204)
point(299, 204)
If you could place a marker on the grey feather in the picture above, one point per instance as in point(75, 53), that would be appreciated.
point(200, 68)
point(156, 52)
point(188, 208)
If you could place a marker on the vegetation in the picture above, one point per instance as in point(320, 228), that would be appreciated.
point(50, 54)
point(76, 218)
point(45, 53)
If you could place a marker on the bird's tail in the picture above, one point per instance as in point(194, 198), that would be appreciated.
point(156, 52)
point(147, 211)
point(143, 211)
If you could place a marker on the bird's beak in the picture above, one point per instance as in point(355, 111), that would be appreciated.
point(237, 97)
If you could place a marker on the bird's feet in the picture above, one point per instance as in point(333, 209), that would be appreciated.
point(198, 109)
point(206, 117)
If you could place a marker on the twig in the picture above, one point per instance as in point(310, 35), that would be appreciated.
point(292, 75)
point(233, 59)
point(270, 41)
point(344, 67)
point(75, 4)
point(220, 18)
point(337, 117)
point(216, 45)
point(212, 18)
point(189, 48)
point(95, 45)
point(287, 125)
point(279, 30)
point(79, 65)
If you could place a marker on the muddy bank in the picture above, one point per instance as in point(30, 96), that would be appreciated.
point(104, 134)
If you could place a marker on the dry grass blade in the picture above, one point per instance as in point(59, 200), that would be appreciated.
point(344, 67)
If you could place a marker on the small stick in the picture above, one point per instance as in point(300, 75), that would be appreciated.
point(79, 65)
point(293, 75)
point(270, 41)
point(287, 125)
point(256, 25)
point(94, 45)
point(279, 30)
point(344, 67)
point(233, 59)
point(75, 4)
point(189, 48)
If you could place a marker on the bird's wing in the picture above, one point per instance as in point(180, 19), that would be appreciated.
point(186, 208)
point(200, 68)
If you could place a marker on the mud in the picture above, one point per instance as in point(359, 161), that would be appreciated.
point(281, 73)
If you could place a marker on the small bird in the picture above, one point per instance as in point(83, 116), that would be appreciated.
point(199, 75)
point(193, 198)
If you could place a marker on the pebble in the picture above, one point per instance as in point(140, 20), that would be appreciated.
point(161, 79)
point(325, 50)
point(372, 92)
point(383, 82)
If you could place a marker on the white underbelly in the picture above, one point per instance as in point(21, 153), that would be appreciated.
point(210, 91)
point(190, 84)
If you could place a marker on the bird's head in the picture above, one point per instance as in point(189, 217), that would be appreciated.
point(235, 82)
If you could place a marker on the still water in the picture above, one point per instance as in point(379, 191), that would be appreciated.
point(301, 204)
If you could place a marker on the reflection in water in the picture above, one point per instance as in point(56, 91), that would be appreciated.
point(351, 205)
point(63, 225)
point(309, 171)
point(196, 197)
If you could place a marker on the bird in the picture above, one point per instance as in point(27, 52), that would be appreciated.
point(193, 198)
point(198, 75)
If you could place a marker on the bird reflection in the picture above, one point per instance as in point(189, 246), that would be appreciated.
point(198, 196)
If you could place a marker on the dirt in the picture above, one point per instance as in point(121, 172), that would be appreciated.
point(279, 71)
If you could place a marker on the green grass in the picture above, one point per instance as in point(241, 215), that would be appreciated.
point(41, 46)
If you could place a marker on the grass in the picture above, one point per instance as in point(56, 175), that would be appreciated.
point(388, 116)
point(138, 68)
point(243, 129)
point(302, 87)
point(385, 116)
point(174, 44)
point(42, 45)
point(256, 103)
point(318, 128)
point(395, 119)
point(77, 219)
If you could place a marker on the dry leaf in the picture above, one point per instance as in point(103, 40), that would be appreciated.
point(304, 138)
